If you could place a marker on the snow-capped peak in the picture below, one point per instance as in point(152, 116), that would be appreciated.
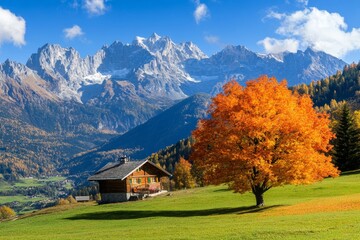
point(166, 49)
point(65, 70)
point(13, 69)
point(277, 57)
point(154, 38)
point(139, 39)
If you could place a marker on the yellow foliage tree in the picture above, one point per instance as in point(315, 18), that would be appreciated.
point(261, 136)
point(71, 199)
point(6, 212)
point(182, 175)
point(63, 201)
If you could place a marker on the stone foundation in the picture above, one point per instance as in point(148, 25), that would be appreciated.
point(114, 197)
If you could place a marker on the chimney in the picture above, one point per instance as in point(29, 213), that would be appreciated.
point(123, 159)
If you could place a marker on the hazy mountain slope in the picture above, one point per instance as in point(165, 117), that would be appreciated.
point(164, 129)
point(237, 62)
point(37, 129)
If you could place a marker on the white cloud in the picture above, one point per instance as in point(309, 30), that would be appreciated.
point(12, 28)
point(273, 45)
point(305, 2)
point(73, 32)
point(212, 39)
point(95, 7)
point(276, 15)
point(318, 29)
point(201, 12)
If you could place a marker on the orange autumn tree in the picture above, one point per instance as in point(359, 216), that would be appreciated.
point(182, 175)
point(261, 136)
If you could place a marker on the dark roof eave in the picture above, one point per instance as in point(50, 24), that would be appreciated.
point(161, 169)
point(97, 178)
point(102, 179)
point(140, 165)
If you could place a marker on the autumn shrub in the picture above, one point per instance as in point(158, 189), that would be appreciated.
point(63, 201)
point(98, 197)
point(167, 184)
point(6, 212)
point(71, 199)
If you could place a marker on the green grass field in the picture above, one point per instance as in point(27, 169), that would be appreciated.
point(28, 182)
point(326, 210)
point(4, 186)
point(25, 204)
point(18, 198)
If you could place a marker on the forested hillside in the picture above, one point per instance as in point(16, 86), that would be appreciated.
point(170, 155)
point(30, 151)
point(343, 85)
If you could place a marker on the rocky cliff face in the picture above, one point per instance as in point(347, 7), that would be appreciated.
point(19, 84)
point(157, 69)
point(237, 62)
point(135, 81)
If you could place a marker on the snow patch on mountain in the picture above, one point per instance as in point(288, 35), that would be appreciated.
point(96, 78)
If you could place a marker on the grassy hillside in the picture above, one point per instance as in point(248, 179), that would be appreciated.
point(28, 194)
point(326, 210)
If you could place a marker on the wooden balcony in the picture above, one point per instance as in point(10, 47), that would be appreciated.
point(147, 188)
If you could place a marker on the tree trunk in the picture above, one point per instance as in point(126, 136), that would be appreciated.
point(258, 190)
point(259, 199)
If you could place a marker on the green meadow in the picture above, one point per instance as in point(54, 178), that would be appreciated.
point(25, 194)
point(326, 210)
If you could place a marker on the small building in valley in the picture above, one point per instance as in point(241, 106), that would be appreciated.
point(119, 181)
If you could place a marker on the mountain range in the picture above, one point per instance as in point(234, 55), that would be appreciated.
point(82, 103)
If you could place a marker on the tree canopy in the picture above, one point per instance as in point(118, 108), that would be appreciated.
point(260, 136)
point(340, 86)
point(182, 175)
point(347, 142)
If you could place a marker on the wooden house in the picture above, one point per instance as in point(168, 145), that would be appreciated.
point(120, 181)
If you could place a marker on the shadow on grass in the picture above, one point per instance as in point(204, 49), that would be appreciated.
point(136, 214)
point(223, 190)
point(350, 172)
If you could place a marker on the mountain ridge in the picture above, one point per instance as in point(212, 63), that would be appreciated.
point(121, 86)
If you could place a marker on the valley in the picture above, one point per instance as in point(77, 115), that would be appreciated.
point(30, 194)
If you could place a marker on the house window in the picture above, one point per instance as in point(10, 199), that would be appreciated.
point(149, 179)
point(130, 181)
point(139, 180)
point(138, 170)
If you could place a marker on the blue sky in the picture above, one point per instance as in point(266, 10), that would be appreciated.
point(264, 26)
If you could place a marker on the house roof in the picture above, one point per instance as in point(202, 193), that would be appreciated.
point(121, 170)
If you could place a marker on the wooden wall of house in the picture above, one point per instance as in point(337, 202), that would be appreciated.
point(148, 170)
point(145, 172)
point(112, 186)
